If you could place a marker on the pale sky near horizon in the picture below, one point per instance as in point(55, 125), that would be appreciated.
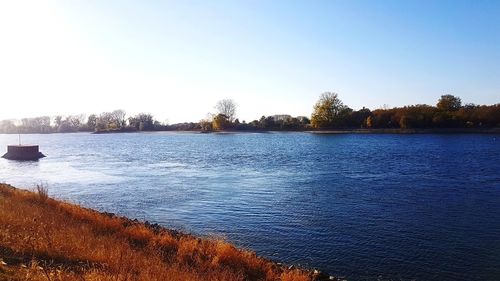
point(175, 59)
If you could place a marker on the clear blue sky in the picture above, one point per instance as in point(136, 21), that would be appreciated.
point(176, 59)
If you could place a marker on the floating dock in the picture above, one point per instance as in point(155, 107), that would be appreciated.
point(23, 152)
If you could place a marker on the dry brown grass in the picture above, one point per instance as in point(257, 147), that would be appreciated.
point(45, 239)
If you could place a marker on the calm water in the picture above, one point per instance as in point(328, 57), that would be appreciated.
point(410, 207)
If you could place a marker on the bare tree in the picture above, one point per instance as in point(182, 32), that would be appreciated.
point(226, 107)
point(206, 123)
point(105, 121)
point(119, 117)
point(76, 121)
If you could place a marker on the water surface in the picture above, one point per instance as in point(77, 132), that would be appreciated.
point(365, 207)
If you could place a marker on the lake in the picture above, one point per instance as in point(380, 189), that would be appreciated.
point(364, 207)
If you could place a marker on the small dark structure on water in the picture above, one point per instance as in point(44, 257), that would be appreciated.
point(23, 152)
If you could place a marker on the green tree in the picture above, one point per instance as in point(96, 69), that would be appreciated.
point(92, 122)
point(357, 118)
point(142, 122)
point(221, 122)
point(329, 111)
point(449, 103)
point(58, 121)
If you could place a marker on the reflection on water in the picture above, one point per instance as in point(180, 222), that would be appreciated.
point(422, 207)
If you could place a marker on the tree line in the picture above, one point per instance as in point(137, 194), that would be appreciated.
point(105, 122)
point(329, 112)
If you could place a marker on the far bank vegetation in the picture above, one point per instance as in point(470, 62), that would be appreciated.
point(329, 113)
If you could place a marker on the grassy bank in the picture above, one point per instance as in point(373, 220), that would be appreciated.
point(45, 239)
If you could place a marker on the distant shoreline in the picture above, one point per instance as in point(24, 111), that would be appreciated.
point(495, 130)
point(337, 131)
point(410, 131)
